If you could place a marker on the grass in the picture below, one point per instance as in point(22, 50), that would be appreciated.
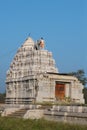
point(22, 124)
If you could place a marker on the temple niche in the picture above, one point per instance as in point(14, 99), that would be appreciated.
point(34, 77)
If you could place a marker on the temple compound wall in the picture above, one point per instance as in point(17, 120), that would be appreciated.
point(33, 77)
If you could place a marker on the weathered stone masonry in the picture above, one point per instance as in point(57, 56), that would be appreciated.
point(33, 77)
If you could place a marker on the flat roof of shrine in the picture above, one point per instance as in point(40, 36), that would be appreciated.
point(59, 73)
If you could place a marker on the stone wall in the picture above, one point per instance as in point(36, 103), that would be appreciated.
point(70, 114)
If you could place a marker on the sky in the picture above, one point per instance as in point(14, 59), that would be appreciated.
point(62, 24)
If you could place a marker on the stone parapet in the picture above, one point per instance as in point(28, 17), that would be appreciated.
point(70, 114)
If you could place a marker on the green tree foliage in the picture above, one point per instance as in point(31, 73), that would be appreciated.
point(85, 94)
point(80, 74)
point(2, 97)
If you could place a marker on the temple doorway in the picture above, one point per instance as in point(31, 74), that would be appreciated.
point(59, 90)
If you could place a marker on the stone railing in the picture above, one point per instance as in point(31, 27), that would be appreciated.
point(71, 114)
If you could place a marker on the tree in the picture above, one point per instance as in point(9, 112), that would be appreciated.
point(2, 97)
point(80, 74)
point(85, 94)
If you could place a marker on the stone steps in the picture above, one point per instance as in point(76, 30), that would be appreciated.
point(18, 114)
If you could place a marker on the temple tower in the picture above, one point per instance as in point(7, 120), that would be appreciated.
point(25, 77)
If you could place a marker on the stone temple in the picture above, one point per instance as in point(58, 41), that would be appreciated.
point(34, 78)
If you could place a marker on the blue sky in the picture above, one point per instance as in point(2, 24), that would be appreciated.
point(62, 24)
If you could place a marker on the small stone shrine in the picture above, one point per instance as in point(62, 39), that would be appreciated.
point(34, 78)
